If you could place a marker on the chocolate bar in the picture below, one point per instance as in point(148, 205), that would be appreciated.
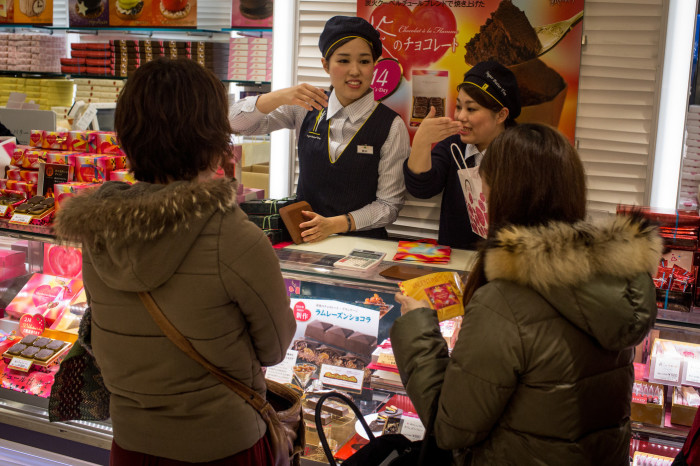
point(340, 337)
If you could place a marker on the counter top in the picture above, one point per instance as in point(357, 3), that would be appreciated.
point(460, 259)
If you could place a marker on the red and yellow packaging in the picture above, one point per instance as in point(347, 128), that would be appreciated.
point(443, 291)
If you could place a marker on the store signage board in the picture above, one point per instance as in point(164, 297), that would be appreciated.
point(429, 41)
point(20, 122)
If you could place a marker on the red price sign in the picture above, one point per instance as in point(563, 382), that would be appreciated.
point(386, 79)
point(301, 313)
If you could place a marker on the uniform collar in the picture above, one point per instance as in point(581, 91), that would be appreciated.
point(352, 112)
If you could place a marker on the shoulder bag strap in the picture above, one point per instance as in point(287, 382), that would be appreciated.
point(248, 394)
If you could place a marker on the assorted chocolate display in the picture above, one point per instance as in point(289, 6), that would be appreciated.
point(41, 350)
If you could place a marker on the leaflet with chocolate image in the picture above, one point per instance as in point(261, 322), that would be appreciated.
point(335, 333)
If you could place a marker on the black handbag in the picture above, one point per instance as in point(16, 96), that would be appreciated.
point(389, 449)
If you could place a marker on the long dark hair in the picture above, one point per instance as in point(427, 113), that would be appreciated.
point(172, 121)
point(535, 177)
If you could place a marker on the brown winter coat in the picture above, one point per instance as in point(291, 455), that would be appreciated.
point(215, 276)
point(542, 372)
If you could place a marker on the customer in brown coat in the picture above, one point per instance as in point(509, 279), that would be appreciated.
point(178, 234)
point(542, 372)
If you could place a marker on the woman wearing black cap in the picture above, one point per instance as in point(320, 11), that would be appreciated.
point(350, 147)
point(487, 103)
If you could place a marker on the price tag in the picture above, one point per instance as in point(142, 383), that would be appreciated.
point(692, 373)
point(3, 210)
point(667, 369)
point(349, 379)
point(22, 219)
point(284, 371)
point(411, 427)
point(20, 364)
point(387, 359)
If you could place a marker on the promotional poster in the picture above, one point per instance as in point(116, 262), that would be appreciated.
point(436, 42)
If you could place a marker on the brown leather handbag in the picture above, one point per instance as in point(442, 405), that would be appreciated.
point(281, 411)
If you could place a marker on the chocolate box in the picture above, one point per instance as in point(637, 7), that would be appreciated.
point(682, 414)
point(265, 206)
point(648, 413)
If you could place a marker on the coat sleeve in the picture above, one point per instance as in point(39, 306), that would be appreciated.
point(253, 280)
point(431, 183)
point(476, 383)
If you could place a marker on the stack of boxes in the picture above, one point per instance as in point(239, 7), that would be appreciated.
point(46, 93)
point(250, 59)
point(121, 57)
point(677, 273)
point(97, 90)
point(92, 157)
point(32, 52)
point(265, 214)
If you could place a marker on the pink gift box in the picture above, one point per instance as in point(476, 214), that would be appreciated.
point(18, 155)
point(57, 156)
point(7, 148)
point(105, 142)
point(63, 261)
point(63, 191)
point(10, 258)
point(22, 186)
point(122, 175)
point(91, 168)
point(77, 141)
point(36, 137)
point(55, 140)
point(32, 158)
point(30, 176)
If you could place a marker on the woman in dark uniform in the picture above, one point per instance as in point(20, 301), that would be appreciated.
point(351, 149)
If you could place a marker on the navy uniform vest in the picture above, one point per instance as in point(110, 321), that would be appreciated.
point(349, 183)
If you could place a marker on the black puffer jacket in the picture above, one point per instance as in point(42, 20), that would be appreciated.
point(542, 372)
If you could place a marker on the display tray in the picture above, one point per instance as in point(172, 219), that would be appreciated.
point(37, 229)
point(35, 362)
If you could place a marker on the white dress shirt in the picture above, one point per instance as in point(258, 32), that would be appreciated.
point(344, 123)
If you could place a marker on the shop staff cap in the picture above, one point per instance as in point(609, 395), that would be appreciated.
point(497, 81)
point(341, 27)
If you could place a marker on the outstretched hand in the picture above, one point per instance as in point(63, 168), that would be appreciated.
point(304, 95)
point(434, 129)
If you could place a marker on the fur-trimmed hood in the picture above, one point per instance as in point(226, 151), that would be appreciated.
point(137, 235)
point(597, 275)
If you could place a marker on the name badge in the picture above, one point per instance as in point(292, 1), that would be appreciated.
point(365, 150)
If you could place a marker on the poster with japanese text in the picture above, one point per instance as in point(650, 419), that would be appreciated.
point(437, 42)
point(334, 333)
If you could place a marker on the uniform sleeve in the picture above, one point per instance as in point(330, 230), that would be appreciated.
point(431, 183)
point(246, 119)
point(391, 189)
point(253, 280)
point(474, 385)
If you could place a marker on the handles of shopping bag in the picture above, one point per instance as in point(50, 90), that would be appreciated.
point(319, 424)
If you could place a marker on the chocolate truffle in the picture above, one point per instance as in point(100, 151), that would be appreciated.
point(44, 355)
point(16, 348)
point(29, 351)
point(55, 345)
point(41, 342)
point(29, 339)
